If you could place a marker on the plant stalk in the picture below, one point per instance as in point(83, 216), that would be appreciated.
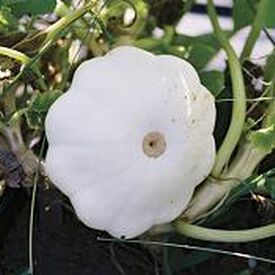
point(217, 235)
point(213, 190)
point(20, 57)
point(239, 98)
point(26, 61)
point(53, 32)
point(255, 30)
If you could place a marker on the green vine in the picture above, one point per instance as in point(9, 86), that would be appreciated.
point(217, 235)
point(239, 98)
point(20, 57)
point(55, 30)
point(255, 30)
point(249, 155)
point(26, 61)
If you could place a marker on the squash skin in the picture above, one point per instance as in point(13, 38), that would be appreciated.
point(96, 131)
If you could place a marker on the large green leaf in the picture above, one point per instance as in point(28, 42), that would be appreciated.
point(244, 12)
point(199, 53)
point(32, 7)
point(201, 49)
point(213, 81)
point(270, 14)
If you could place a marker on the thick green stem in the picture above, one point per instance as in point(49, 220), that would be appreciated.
point(255, 30)
point(216, 235)
point(239, 98)
point(214, 190)
point(209, 195)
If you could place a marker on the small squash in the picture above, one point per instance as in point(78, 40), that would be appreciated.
point(130, 140)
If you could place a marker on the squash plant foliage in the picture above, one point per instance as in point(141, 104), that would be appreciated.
point(42, 43)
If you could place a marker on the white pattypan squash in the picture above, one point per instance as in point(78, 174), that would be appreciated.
point(130, 140)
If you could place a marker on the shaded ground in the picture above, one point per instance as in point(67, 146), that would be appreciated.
point(63, 245)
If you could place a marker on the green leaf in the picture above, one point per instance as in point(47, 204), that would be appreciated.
point(213, 81)
point(38, 108)
point(201, 49)
point(243, 13)
point(200, 55)
point(264, 139)
point(199, 52)
point(210, 39)
point(269, 21)
point(32, 7)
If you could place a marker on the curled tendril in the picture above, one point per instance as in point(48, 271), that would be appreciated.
point(115, 14)
point(133, 7)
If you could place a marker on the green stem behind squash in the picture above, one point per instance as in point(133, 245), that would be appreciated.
point(239, 98)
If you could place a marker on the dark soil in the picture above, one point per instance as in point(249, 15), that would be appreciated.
point(62, 244)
